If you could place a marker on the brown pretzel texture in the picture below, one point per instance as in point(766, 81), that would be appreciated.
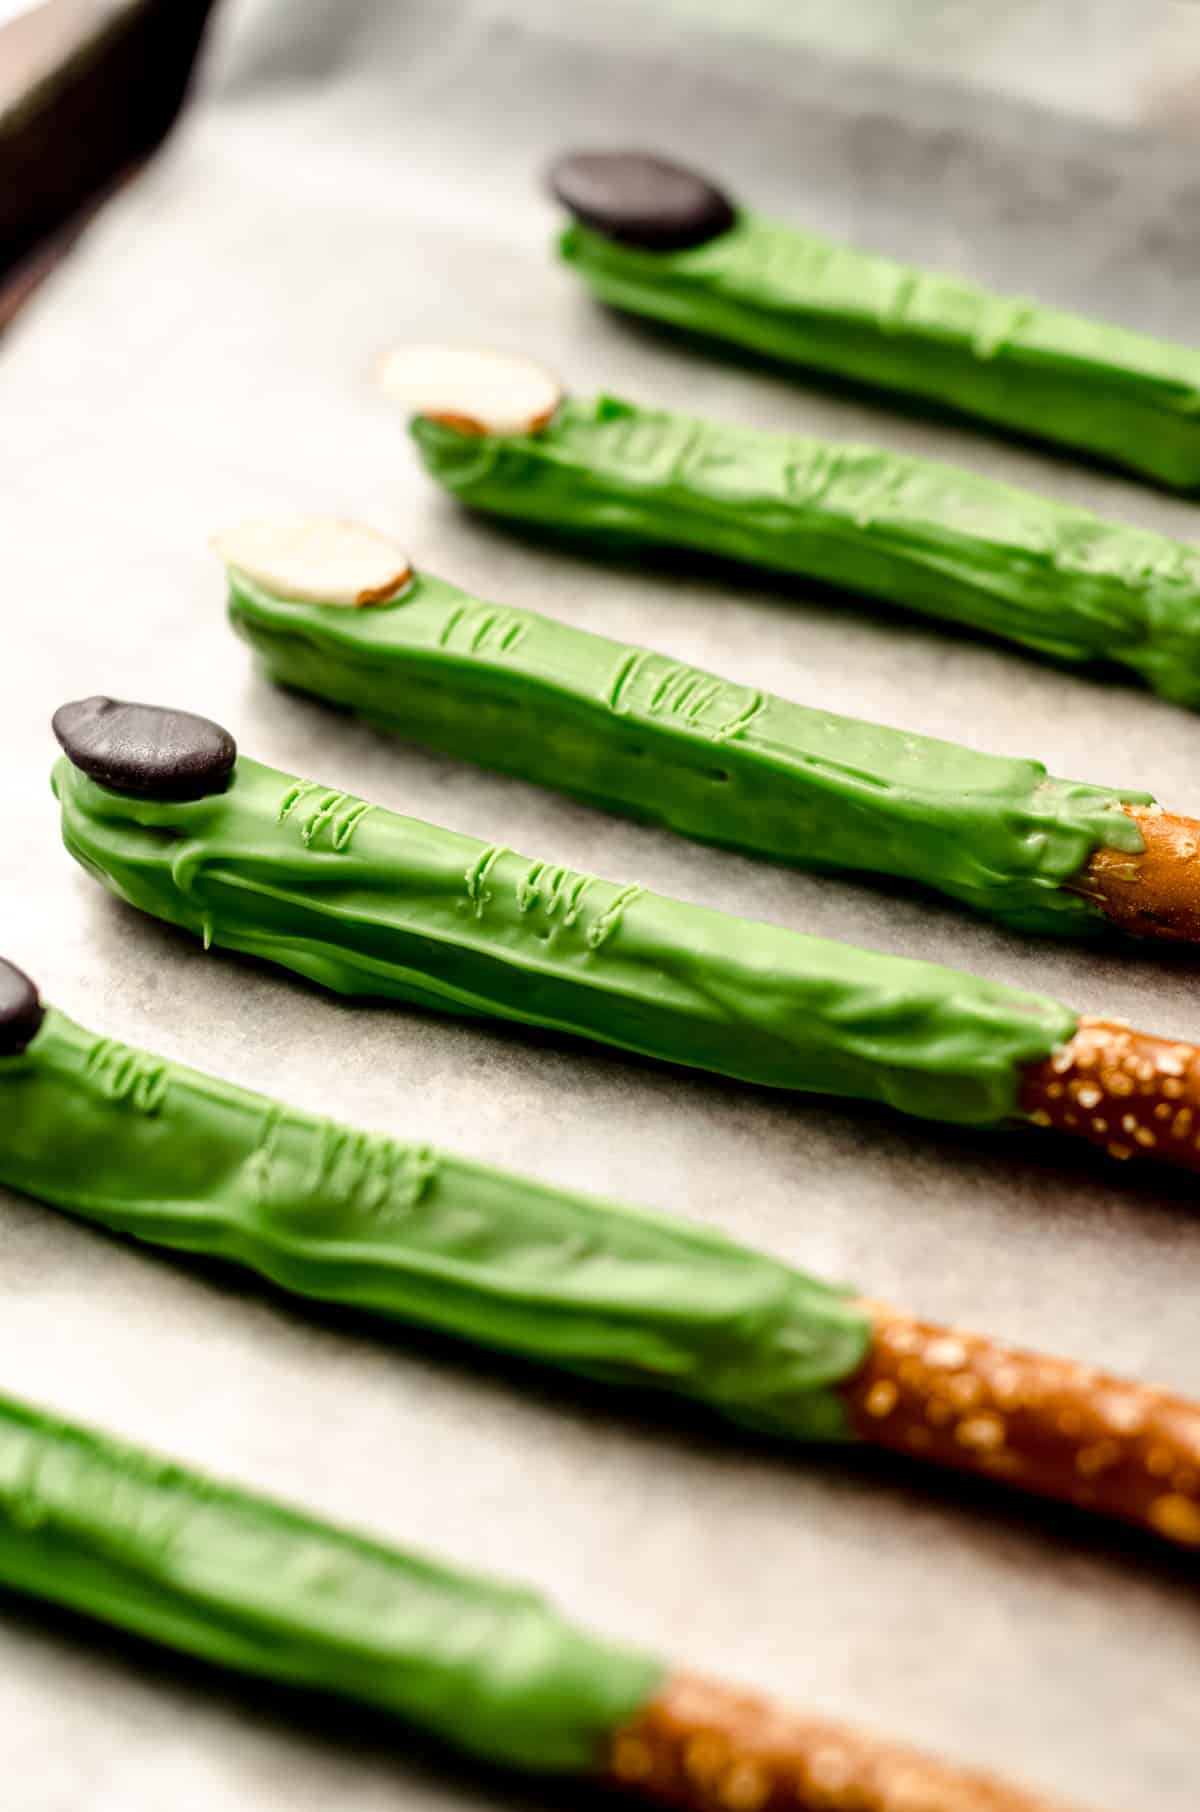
point(1046, 1425)
point(1156, 893)
point(1136, 1095)
point(707, 1747)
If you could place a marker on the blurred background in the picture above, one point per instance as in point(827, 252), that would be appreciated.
point(88, 87)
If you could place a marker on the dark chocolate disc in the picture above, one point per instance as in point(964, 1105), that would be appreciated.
point(21, 1012)
point(640, 200)
point(145, 750)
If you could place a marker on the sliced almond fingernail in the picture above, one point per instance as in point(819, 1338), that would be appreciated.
point(316, 560)
point(472, 388)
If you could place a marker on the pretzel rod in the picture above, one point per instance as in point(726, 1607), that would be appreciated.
point(1154, 891)
point(221, 1573)
point(1131, 1093)
point(401, 1230)
point(660, 240)
point(936, 539)
point(704, 1747)
point(731, 764)
point(1042, 1424)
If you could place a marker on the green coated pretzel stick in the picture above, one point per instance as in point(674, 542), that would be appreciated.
point(401, 1231)
point(366, 902)
point(805, 301)
point(935, 539)
point(641, 733)
point(158, 805)
point(217, 1572)
point(211, 1570)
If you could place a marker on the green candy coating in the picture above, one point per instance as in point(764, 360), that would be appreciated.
point(395, 1228)
point(936, 539)
point(366, 902)
point(217, 1572)
point(641, 733)
point(807, 301)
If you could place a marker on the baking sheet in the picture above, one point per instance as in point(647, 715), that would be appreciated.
point(353, 173)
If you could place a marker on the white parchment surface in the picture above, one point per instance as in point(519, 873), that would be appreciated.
point(357, 171)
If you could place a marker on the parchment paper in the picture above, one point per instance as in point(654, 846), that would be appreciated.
point(354, 173)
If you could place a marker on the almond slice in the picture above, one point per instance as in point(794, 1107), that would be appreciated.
point(316, 560)
point(472, 388)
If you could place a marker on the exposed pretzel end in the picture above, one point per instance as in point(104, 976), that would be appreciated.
point(705, 1746)
point(1045, 1425)
point(1136, 1095)
point(1155, 892)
